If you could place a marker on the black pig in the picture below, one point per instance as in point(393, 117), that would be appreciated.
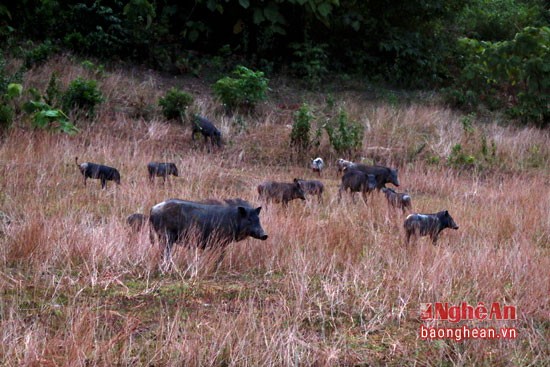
point(136, 221)
point(428, 225)
point(312, 187)
point(398, 200)
point(356, 181)
point(161, 170)
point(98, 171)
point(207, 129)
point(383, 175)
point(206, 225)
point(280, 192)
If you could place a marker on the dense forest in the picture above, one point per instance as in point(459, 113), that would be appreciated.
point(481, 54)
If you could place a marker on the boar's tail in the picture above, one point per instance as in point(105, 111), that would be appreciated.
point(76, 160)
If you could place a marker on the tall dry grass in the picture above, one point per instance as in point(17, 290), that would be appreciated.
point(333, 285)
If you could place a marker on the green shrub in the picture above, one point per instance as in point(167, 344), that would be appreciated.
point(345, 135)
point(513, 75)
point(300, 134)
point(46, 117)
point(310, 62)
point(40, 54)
point(174, 104)
point(245, 90)
point(82, 94)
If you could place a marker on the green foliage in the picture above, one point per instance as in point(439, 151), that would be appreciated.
point(499, 20)
point(40, 54)
point(174, 104)
point(245, 90)
point(514, 75)
point(459, 159)
point(48, 118)
point(82, 94)
point(300, 134)
point(310, 62)
point(345, 135)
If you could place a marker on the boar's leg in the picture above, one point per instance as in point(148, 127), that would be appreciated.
point(103, 183)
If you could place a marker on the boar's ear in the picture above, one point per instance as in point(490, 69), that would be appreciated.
point(446, 212)
point(258, 210)
point(295, 180)
point(242, 211)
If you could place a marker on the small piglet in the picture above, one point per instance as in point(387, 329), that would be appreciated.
point(136, 221)
point(98, 171)
point(207, 129)
point(428, 225)
point(342, 164)
point(280, 192)
point(317, 165)
point(161, 170)
point(397, 200)
point(312, 187)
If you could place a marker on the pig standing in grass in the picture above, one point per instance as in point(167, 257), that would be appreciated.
point(161, 170)
point(136, 221)
point(98, 171)
point(204, 225)
point(342, 164)
point(383, 175)
point(356, 181)
point(312, 187)
point(428, 225)
point(280, 192)
point(207, 129)
point(317, 165)
point(397, 200)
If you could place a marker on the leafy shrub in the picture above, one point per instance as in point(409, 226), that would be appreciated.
point(245, 90)
point(175, 103)
point(310, 62)
point(345, 135)
point(46, 117)
point(514, 75)
point(82, 94)
point(300, 134)
point(40, 54)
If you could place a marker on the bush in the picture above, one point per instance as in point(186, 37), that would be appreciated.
point(514, 75)
point(245, 91)
point(300, 135)
point(82, 94)
point(40, 54)
point(310, 62)
point(345, 135)
point(175, 103)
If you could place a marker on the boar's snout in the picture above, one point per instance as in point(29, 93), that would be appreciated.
point(263, 237)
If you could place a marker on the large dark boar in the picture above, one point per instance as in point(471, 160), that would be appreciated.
point(383, 175)
point(280, 192)
point(161, 170)
point(312, 187)
point(428, 225)
point(98, 171)
point(207, 225)
point(356, 181)
point(399, 200)
point(207, 129)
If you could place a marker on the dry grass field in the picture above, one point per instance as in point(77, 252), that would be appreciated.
point(334, 285)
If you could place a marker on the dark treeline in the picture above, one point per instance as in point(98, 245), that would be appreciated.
point(405, 42)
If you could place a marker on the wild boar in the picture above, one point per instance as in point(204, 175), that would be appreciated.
point(342, 164)
point(136, 221)
point(98, 171)
point(280, 192)
point(428, 225)
point(397, 200)
point(356, 181)
point(161, 170)
point(204, 225)
point(312, 187)
point(383, 175)
point(207, 129)
point(317, 165)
